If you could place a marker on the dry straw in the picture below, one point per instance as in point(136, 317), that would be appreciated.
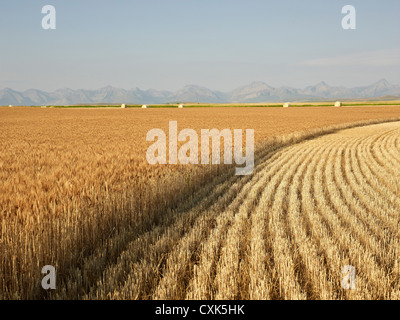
point(116, 228)
point(338, 104)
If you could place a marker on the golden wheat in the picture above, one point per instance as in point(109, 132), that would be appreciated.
point(78, 194)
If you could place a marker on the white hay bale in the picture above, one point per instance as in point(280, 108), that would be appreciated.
point(145, 106)
point(10, 106)
point(181, 106)
point(123, 105)
point(338, 104)
point(287, 105)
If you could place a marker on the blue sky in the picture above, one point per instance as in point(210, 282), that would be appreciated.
point(220, 44)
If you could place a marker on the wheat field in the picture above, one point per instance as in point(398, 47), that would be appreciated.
point(77, 194)
point(284, 233)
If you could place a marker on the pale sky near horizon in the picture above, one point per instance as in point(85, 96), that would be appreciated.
point(219, 44)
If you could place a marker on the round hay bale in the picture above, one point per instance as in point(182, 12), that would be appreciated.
point(10, 106)
point(181, 106)
point(287, 105)
point(338, 104)
point(44, 107)
point(123, 106)
point(145, 106)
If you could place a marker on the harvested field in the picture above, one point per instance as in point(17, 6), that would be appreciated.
point(284, 233)
point(77, 193)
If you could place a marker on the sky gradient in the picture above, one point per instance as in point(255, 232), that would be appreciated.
point(219, 44)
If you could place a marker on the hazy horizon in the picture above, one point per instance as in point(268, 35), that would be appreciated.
point(221, 45)
point(210, 88)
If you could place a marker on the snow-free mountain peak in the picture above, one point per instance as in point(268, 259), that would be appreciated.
point(257, 91)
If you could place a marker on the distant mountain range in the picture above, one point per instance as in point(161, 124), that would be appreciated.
point(254, 92)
